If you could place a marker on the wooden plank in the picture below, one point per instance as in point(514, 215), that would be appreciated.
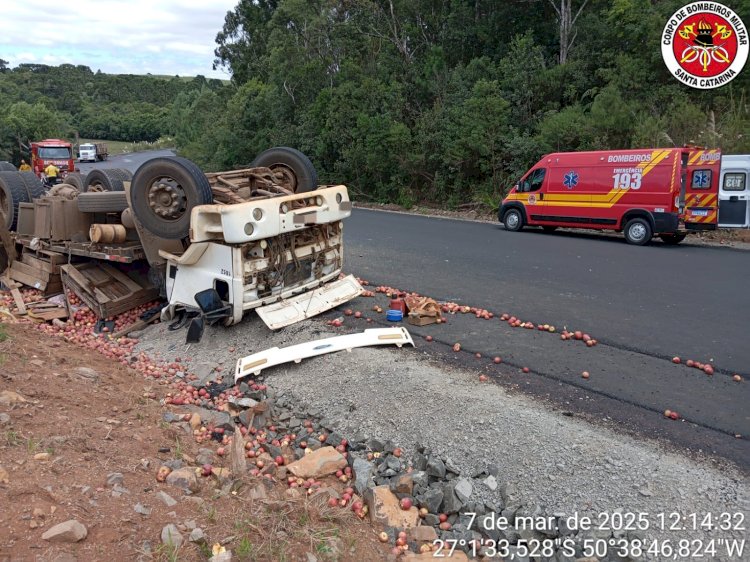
point(55, 258)
point(31, 270)
point(9, 282)
point(76, 276)
point(29, 280)
point(18, 299)
point(121, 277)
point(37, 263)
point(100, 296)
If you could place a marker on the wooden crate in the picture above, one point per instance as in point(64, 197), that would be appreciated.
point(105, 289)
point(38, 270)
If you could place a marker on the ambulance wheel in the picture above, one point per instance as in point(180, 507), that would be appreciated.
point(513, 220)
point(549, 228)
point(638, 232)
point(672, 239)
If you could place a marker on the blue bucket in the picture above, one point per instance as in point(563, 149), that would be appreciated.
point(394, 315)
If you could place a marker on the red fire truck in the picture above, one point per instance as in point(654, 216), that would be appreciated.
point(663, 192)
point(52, 151)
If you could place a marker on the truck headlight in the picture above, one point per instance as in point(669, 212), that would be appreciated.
point(249, 228)
point(257, 214)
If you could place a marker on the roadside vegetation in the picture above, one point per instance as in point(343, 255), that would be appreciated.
point(407, 102)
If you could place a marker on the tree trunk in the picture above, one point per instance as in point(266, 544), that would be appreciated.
point(567, 22)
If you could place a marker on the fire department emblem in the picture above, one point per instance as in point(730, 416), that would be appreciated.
point(705, 45)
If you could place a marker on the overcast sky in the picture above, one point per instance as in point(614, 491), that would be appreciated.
point(128, 36)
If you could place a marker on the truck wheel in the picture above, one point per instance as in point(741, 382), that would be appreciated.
point(513, 220)
point(34, 186)
point(7, 167)
point(107, 179)
point(299, 173)
point(638, 231)
point(12, 192)
point(672, 239)
point(76, 179)
point(123, 173)
point(163, 193)
point(104, 202)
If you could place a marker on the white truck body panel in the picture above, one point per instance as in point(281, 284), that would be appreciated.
point(292, 310)
point(265, 218)
point(254, 364)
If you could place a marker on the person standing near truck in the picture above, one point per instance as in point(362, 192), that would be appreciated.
point(24, 167)
point(51, 172)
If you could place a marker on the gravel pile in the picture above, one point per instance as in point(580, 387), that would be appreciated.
point(496, 449)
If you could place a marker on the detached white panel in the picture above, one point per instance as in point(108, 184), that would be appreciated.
point(254, 364)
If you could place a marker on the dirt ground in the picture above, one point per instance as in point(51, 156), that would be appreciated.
point(77, 417)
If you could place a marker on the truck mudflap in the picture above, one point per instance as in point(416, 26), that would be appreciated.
point(306, 305)
point(254, 364)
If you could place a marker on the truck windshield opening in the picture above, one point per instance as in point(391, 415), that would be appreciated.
point(54, 152)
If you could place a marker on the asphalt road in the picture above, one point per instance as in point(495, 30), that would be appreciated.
point(127, 161)
point(643, 304)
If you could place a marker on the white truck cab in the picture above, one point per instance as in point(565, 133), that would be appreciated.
point(87, 153)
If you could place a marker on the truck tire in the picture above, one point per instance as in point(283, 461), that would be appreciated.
point(12, 192)
point(163, 193)
point(298, 171)
point(102, 202)
point(106, 179)
point(513, 220)
point(638, 231)
point(34, 186)
point(122, 173)
point(76, 179)
point(7, 167)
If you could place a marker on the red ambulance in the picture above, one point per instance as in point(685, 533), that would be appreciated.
point(665, 192)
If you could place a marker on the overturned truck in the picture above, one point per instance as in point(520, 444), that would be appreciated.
point(213, 245)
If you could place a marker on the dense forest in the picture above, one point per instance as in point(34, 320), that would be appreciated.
point(39, 101)
point(442, 101)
